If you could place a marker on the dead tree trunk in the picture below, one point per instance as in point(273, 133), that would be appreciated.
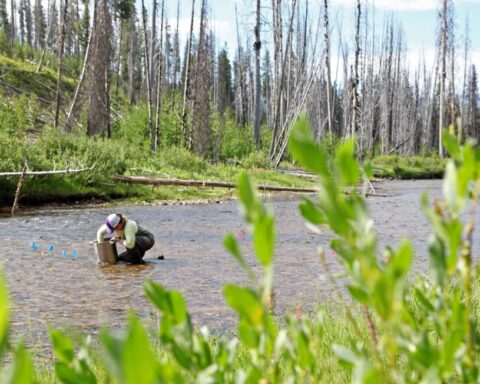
point(277, 61)
point(73, 106)
point(12, 23)
point(356, 77)
point(153, 44)
point(256, 46)
point(278, 120)
point(132, 59)
point(60, 63)
point(159, 83)
point(186, 82)
point(451, 43)
point(19, 189)
point(327, 66)
point(98, 120)
point(200, 133)
point(443, 75)
point(147, 76)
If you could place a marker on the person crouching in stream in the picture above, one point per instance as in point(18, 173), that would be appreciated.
point(128, 233)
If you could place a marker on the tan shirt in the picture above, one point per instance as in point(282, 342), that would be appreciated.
point(127, 234)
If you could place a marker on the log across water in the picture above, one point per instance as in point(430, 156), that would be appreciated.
point(203, 183)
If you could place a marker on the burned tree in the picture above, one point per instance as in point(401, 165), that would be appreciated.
point(257, 97)
point(99, 76)
point(200, 133)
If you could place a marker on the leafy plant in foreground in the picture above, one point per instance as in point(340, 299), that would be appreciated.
point(413, 329)
point(427, 333)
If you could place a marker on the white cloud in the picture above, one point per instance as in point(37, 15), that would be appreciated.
point(401, 5)
point(224, 30)
point(394, 5)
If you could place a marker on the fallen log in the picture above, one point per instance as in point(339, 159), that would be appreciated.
point(203, 183)
point(45, 173)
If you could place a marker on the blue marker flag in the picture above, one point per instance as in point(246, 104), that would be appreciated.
point(74, 254)
point(64, 253)
point(50, 248)
point(34, 246)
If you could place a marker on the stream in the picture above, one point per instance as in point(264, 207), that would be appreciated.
point(54, 278)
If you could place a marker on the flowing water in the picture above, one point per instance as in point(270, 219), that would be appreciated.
point(50, 286)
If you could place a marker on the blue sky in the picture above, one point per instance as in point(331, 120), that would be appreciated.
point(418, 17)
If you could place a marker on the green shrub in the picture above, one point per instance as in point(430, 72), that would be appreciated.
point(257, 159)
point(181, 158)
point(237, 142)
point(5, 48)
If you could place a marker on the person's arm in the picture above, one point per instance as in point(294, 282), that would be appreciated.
point(101, 233)
point(129, 233)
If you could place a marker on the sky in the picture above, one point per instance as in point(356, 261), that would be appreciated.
point(418, 17)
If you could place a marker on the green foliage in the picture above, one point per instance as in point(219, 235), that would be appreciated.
point(408, 167)
point(256, 159)
point(396, 327)
point(408, 350)
point(5, 47)
point(237, 142)
point(18, 115)
point(23, 76)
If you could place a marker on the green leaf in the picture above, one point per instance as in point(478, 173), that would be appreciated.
point(246, 302)
point(62, 346)
point(358, 294)
point(114, 349)
point(21, 371)
point(401, 260)
point(311, 212)
point(450, 192)
point(305, 356)
point(157, 295)
point(138, 360)
point(182, 356)
point(264, 239)
point(231, 244)
point(438, 259)
point(179, 308)
point(4, 315)
point(249, 335)
point(382, 295)
point(450, 144)
point(248, 196)
point(170, 303)
point(345, 354)
point(68, 375)
point(346, 163)
point(305, 150)
point(423, 300)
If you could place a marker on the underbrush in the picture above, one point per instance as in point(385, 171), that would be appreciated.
point(103, 158)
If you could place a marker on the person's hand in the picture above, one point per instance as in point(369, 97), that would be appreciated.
point(116, 239)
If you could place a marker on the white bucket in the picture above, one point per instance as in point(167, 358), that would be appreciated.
point(106, 252)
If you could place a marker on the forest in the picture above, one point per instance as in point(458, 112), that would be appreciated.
point(122, 71)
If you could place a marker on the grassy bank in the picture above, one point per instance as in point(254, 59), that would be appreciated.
point(48, 150)
point(408, 167)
